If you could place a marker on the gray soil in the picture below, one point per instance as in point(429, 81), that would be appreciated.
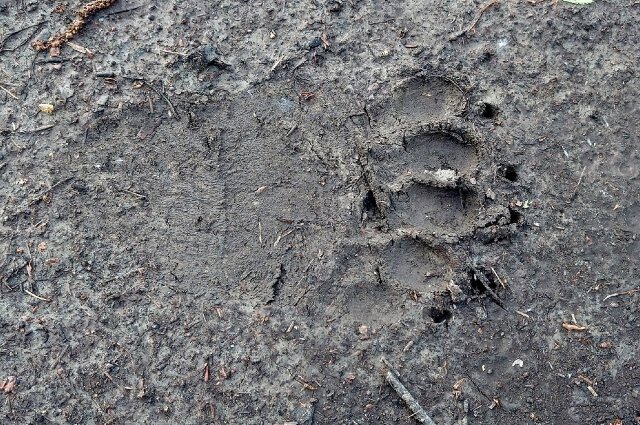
point(238, 209)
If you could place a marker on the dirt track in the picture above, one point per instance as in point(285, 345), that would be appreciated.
point(237, 209)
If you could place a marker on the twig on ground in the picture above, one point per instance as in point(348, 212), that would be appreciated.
point(485, 283)
point(171, 52)
point(478, 388)
point(575, 191)
point(14, 33)
point(35, 296)
point(130, 9)
point(6, 90)
point(298, 64)
point(138, 195)
point(617, 294)
point(158, 92)
point(122, 275)
point(62, 353)
point(74, 27)
point(37, 130)
point(498, 277)
point(419, 413)
point(291, 130)
point(386, 21)
point(43, 193)
point(278, 62)
point(281, 236)
point(474, 22)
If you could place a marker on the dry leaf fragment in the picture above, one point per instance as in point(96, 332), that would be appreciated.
point(325, 41)
point(8, 385)
point(572, 327)
point(46, 108)
point(140, 388)
point(78, 48)
point(363, 330)
point(495, 402)
point(457, 392)
point(222, 373)
point(42, 246)
point(305, 384)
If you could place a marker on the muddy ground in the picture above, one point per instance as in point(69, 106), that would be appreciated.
point(237, 209)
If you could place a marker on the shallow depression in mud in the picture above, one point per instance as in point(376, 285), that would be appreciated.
point(434, 209)
point(434, 151)
point(427, 98)
point(412, 264)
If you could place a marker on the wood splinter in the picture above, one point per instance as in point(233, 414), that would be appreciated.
point(419, 413)
point(474, 22)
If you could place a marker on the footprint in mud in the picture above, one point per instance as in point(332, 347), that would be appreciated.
point(424, 194)
point(426, 178)
point(423, 99)
point(383, 274)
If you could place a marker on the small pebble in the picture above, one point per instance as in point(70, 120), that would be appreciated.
point(316, 42)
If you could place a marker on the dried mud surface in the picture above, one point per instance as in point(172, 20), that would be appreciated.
point(237, 209)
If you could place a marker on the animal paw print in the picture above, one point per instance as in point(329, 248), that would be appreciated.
point(427, 193)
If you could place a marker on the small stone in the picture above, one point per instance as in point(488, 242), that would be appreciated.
point(335, 6)
point(212, 57)
point(102, 100)
point(363, 330)
point(316, 42)
point(481, 313)
point(457, 294)
point(66, 91)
